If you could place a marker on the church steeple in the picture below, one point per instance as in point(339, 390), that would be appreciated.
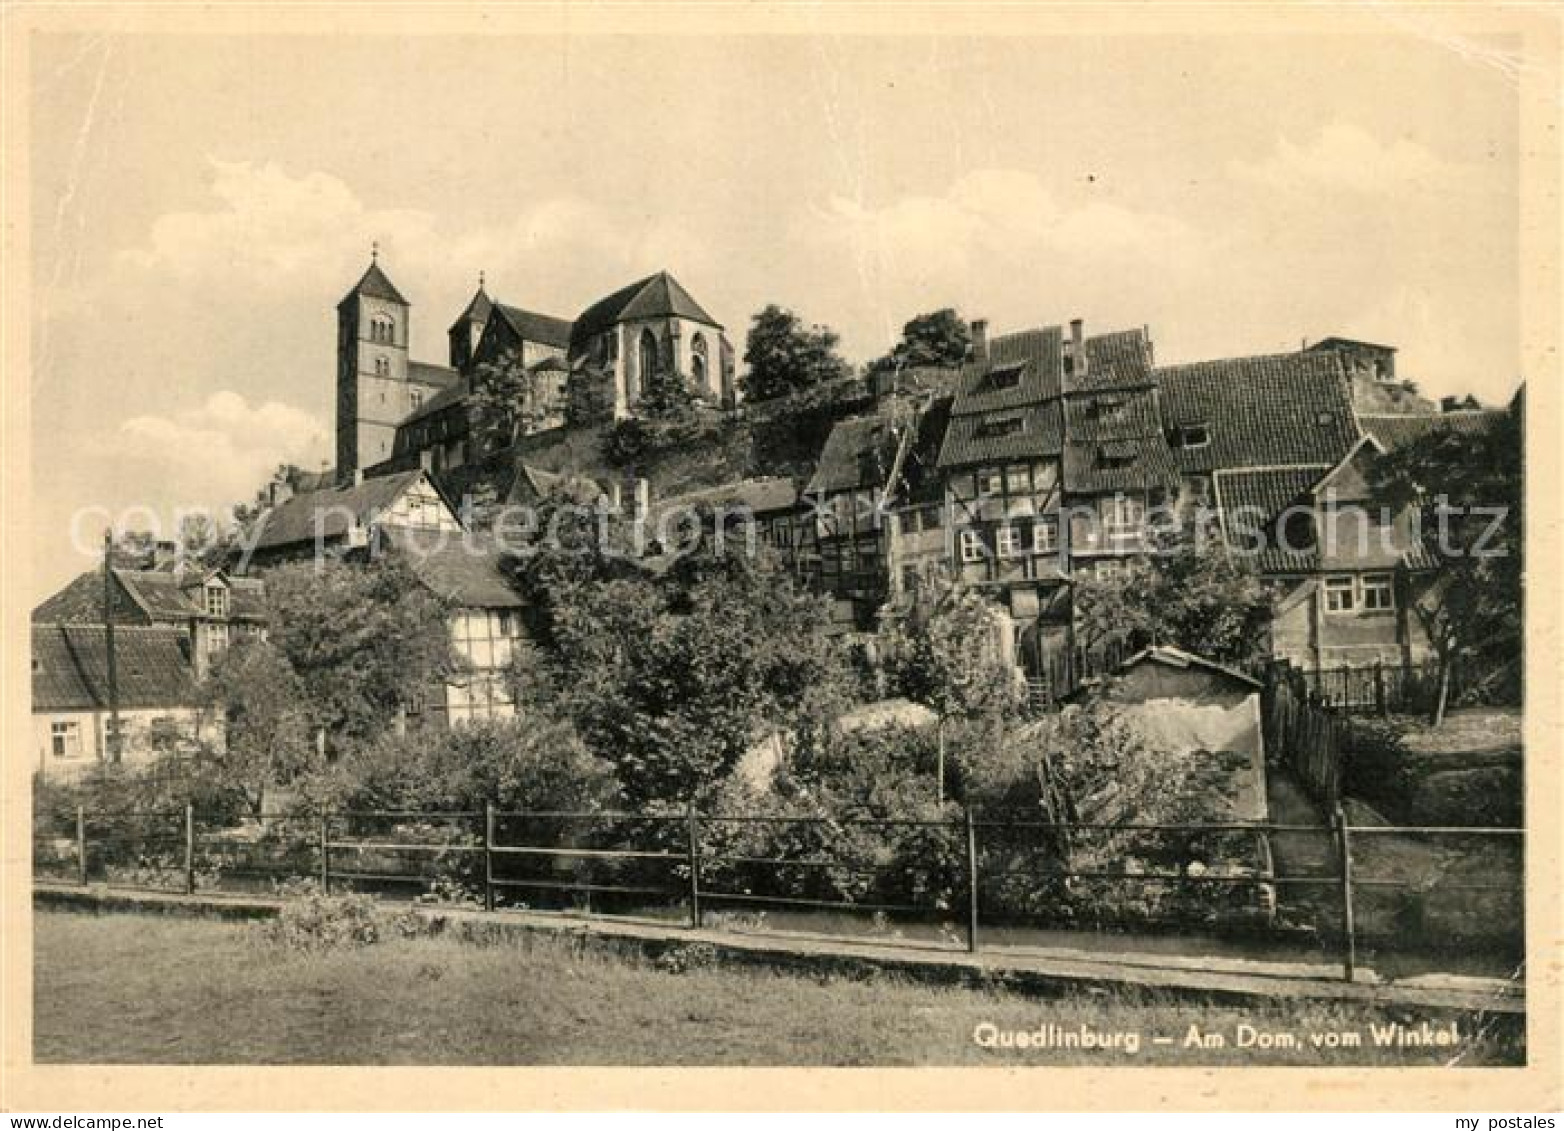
point(373, 320)
point(468, 327)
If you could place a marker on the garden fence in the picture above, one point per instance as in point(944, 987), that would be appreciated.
point(959, 877)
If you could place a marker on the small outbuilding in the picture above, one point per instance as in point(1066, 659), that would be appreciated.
point(1181, 702)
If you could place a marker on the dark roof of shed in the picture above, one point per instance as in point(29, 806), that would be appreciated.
point(70, 667)
point(655, 296)
point(462, 568)
point(1172, 657)
point(339, 508)
point(374, 284)
point(762, 496)
point(1280, 409)
point(534, 327)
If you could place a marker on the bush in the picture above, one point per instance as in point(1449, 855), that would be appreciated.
point(313, 922)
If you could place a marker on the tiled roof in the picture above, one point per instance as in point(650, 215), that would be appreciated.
point(338, 509)
point(1280, 409)
point(477, 310)
point(81, 602)
point(462, 568)
point(1033, 354)
point(440, 376)
point(374, 284)
point(858, 454)
point(655, 296)
point(451, 395)
point(534, 327)
point(1398, 431)
point(1252, 500)
point(760, 496)
point(70, 667)
point(1120, 359)
point(1095, 467)
point(983, 438)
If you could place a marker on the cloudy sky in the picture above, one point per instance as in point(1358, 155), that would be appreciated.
point(201, 204)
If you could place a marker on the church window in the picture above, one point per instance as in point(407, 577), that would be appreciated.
point(382, 367)
point(648, 355)
point(698, 359)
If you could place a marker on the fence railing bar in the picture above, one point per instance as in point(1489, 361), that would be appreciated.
point(838, 905)
point(570, 814)
point(840, 865)
point(593, 853)
point(386, 846)
point(562, 885)
point(1436, 830)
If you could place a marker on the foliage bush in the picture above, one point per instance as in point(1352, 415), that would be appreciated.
point(312, 922)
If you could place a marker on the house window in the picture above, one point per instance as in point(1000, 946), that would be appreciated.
point(1123, 516)
point(1339, 596)
point(1193, 436)
point(1003, 426)
point(216, 638)
point(65, 739)
point(1379, 593)
point(990, 482)
point(416, 398)
point(1045, 536)
point(1009, 542)
point(110, 734)
point(972, 549)
point(216, 601)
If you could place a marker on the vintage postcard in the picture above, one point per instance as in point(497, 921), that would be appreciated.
point(578, 546)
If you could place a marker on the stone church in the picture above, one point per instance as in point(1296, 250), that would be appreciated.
point(393, 411)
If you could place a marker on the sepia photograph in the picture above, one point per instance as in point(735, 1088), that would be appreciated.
point(837, 542)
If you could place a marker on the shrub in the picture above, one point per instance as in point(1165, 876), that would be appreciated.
point(313, 922)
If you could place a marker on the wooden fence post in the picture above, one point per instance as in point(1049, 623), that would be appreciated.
point(972, 882)
point(325, 854)
point(1381, 701)
point(189, 848)
point(695, 868)
point(81, 845)
point(488, 856)
point(1348, 925)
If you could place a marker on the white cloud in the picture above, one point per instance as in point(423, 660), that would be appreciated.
point(996, 242)
point(220, 452)
point(1346, 157)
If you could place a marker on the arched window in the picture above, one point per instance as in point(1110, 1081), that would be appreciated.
point(382, 367)
point(381, 329)
point(648, 356)
point(698, 359)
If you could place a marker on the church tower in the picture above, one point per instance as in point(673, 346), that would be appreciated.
point(468, 328)
point(372, 389)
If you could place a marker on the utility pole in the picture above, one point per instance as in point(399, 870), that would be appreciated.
point(112, 746)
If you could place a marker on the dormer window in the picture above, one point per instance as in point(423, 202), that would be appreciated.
point(1105, 408)
point(1192, 436)
point(1002, 426)
point(216, 601)
point(1116, 453)
point(1006, 377)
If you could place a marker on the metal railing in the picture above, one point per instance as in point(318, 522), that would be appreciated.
point(977, 871)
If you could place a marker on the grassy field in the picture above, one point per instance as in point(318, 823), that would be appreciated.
point(129, 989)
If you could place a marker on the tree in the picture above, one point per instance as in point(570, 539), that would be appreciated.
point(1465, 489)
point(673, 678)
point(266, 723)
point(939, 339)
point(507, 402)
point(1193, 593)
point(364, 640)
point(785, 357)
point(944, 655)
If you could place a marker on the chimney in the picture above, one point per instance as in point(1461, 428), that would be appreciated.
point(1078, 345)
point(1449, 404)
point(980, 339)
